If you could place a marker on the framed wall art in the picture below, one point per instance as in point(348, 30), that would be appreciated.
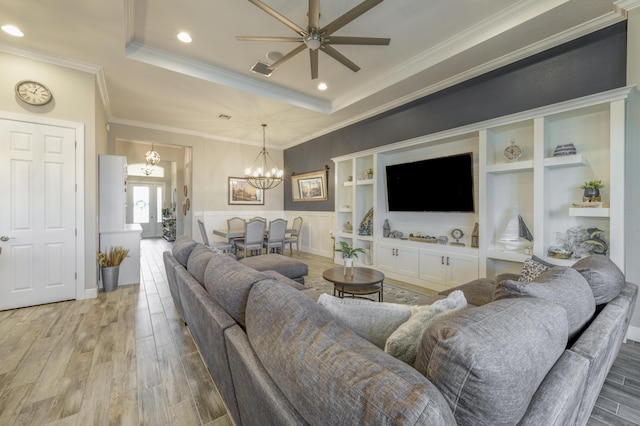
point(240, 192)
point(310, 186)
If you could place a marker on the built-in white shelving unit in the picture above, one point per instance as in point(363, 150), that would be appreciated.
point(542, 186)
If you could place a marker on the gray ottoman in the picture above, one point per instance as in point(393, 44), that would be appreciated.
point(284, 265)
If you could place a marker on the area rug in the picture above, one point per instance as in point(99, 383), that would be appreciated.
point(392, 294)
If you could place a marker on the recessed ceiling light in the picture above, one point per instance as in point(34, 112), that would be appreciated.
point(13, 30)
point(184, 37)
point(322, 86)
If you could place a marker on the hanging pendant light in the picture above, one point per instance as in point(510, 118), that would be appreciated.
point(261, 174)
point(152, 157)
point(147, 169)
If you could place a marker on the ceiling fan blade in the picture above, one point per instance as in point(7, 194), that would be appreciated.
point(295, 27)
point(349, 16)
point(260, 38)
point(288, 56)
point(340, 57)
point(373, 41)
point(314, 14)
point(313, 56)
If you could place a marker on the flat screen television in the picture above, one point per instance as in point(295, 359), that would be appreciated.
point(442, 184)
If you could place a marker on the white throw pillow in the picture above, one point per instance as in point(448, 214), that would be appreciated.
point(403, 343)
point(370, 320)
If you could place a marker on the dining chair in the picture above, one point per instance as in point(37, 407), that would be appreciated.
point(275, 237)
point(259, 218)
point(235, 223)
point(294, 236)
point(253, 236)
point(205, 239)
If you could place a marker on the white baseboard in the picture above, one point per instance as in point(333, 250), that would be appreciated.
point(89, 293)
point(633, 333)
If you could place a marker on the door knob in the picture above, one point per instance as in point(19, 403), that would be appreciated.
point(4, 238)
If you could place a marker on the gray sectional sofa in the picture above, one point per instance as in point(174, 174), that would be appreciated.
point(280, 358)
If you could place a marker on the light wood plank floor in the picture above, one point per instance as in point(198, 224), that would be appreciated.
point(125, 358)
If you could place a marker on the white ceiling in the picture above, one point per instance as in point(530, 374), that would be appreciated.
point(150, 79)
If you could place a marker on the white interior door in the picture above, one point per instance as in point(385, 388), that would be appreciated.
point(146, 204)
point(37, 218)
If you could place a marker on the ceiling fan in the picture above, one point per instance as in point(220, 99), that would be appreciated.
point(315, 38)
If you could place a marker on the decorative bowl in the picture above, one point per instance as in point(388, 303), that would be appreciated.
point(566, 149)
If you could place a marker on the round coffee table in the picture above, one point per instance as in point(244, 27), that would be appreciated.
point(364, 281)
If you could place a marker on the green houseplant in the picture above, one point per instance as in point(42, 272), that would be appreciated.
point(348, 253)
point(591, 190)
point(109, 262)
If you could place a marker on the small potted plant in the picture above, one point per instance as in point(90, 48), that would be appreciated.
point(592, 190)
point(369, 173)
point(110, 266)
point(348, 253)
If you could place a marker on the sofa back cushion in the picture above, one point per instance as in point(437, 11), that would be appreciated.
point(182, 247)
point(330, 374)
point(561, 285)
point(228, 283)
point(604, 277)
point(198, 261)
point(488, 361)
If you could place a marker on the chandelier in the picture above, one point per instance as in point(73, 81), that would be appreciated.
point(152, 157)
point(261, 175)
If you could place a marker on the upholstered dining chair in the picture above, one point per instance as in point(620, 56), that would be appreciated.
point(205, 239)
point(294, 236)
point(235, 223)
point(253, 237)
point(275, 237)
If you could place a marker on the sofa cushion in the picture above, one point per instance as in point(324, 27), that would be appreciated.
point(198, 261)
point(276, 262)
point(182, 247)
point(330, 374)
point(228, 283)
point(372, 321)
point(403, 342)
point(285, 280)
point(488, 361)
point(604, 277)
point(561, 285)
point(532, 268)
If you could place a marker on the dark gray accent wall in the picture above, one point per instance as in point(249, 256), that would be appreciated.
point(591, 64)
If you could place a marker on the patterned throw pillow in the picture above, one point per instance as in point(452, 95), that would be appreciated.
point(532, 268)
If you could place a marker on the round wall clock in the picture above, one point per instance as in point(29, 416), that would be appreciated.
point(33, 93)
point(512, 152)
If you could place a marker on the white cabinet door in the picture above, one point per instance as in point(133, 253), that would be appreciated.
point(402, 260)
point(461, 269)
point(407, 261)
point(432, 266)
point(385, 257)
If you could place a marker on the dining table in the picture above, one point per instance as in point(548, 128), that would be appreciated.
point(234, 233)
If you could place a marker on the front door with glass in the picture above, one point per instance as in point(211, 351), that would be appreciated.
point(145, 207)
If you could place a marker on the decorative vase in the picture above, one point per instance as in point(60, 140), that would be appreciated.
point(348, 267)
point(110, 277)
point(591, 195)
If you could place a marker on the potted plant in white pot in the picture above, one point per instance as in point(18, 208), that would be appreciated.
point(348, 253)
point(110, 266)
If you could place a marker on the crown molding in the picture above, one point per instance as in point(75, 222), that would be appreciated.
point(627, 5)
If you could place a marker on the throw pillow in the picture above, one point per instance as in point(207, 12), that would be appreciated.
point(403, 343)
point(604, 277)
point(532, 268)
point(489, 361)
point(561, 285)
point(372, 321)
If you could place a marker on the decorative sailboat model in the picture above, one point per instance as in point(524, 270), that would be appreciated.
point(516, 235)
